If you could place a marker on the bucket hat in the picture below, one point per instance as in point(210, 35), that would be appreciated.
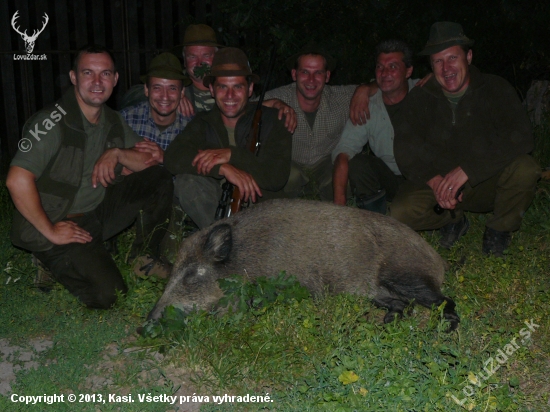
point(445, 34)
point(200, 35)
point(311, 48)
point(229, 62)
point(166, 66)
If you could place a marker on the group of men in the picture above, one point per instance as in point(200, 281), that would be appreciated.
point(459, 141)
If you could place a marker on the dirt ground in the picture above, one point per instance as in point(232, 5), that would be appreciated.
point(115, 361)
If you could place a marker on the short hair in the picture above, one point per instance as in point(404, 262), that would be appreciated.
point(92, 49)
point(310, 54)
point(393, 46)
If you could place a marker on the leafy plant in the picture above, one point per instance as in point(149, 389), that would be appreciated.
point(260, 293)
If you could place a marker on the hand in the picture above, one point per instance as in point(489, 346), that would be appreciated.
point(186, 107)
point(207, 159)
point(104, 168)
point(243, 180)
point(290, 116)
point(147, 146)
point(284, 110)
point(359, 105)
point(446, 188)
point(424, 80)
point(65, 232)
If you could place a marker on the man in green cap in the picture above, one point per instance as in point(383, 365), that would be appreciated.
point(214, 145)
point(463, 141)
point(157, 119)
point(199, 47)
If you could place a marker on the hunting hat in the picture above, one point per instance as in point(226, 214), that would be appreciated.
point(166, 66)
point(311, 48)
point(229, 62)
point(445, 34)
point(200, 35)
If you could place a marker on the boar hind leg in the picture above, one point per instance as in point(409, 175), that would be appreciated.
point(420, 289)
point(395, 306)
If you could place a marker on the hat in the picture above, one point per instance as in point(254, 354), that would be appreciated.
point(166, 66)
point(229, 62)
point(200, 35)
point(311, 48)
point(443, 35)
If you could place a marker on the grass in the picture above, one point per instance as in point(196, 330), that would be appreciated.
point(329, 354)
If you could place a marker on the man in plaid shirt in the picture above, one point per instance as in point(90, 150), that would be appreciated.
point(321, 112)
point(157, 119)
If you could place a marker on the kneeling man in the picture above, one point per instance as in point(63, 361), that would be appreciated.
point(214, 145)
point(463, 141)
point(83, 182)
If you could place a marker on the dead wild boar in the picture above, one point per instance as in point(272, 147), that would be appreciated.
point(325, 246)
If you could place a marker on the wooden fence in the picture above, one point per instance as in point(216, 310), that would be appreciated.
point(134, 29)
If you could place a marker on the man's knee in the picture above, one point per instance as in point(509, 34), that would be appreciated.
point(199, 197)
point(296, 181)
point(103, 296)
point(522, 173)
point(412, 207)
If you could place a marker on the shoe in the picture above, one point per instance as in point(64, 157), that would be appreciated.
point(495, 242)
point(374, 203)
point(451, 232)
point(149, 266)
point(43, 279)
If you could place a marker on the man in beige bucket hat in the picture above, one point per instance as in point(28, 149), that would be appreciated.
point(463, 141)
point(214, 145)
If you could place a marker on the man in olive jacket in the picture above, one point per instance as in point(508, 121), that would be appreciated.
point(214, 145)
point(463, 141)
point(79, 181)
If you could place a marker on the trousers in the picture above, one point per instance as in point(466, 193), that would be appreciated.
point(508, 194)
point(87, 270)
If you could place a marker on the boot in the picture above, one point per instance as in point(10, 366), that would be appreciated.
point(374, 203)
point(451, 232)
point(495, 242)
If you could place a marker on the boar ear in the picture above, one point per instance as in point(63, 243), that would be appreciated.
point(218, 243)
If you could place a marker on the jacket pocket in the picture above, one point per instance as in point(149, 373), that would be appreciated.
point(70, 158)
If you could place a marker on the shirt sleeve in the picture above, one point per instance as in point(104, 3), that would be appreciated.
point(353, 139)
point(38, 144)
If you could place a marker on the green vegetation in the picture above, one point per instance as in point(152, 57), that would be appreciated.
point(330, 354)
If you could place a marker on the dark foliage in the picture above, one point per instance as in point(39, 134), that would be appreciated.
point(512, 37)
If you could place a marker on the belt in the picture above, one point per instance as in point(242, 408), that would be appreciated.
point(74, 215)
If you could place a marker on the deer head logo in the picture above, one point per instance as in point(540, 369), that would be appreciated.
point(29, 40)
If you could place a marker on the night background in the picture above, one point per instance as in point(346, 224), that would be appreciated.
point(512, 39)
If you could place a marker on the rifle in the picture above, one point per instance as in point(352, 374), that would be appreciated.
point(231, 193)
